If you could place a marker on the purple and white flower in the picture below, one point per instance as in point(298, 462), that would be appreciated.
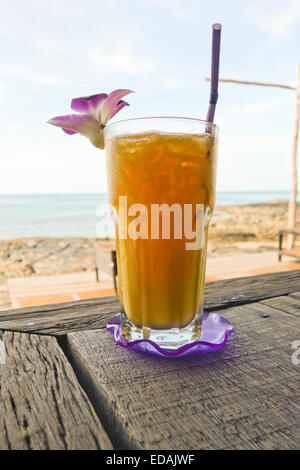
point(94, 113)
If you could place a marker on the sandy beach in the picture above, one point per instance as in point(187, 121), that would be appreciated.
point(251, 228)
point(234, 230)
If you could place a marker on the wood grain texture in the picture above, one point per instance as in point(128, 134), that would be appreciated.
point(246, 396)
point(296, 295)
point(285, 303)
point(243, 290)
point(42, 403)
point(60, 319)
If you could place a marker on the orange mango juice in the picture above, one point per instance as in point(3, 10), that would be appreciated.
point(161, 283)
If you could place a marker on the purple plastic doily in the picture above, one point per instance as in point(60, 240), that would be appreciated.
point(215, 332)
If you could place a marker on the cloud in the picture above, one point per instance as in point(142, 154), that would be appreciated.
point(122, 60)
point(29, 75)
point(269, 145)
point(243, 112)
point(173, 83)
point(67, 165)
point(119, 60)
point(279, 22)
point(175, 9)
point(48, 44)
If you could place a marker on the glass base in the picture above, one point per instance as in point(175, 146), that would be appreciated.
point(172, 338)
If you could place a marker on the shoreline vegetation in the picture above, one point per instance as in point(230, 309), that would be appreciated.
point(234, 230)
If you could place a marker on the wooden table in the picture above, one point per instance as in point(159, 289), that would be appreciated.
point(66, 385)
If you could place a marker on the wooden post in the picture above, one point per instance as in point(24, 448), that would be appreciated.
point(292, 209)
point(293, 199)
point(245, 82)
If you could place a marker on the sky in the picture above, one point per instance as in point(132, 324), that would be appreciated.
point(52, 51)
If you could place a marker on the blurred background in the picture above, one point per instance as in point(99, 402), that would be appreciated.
point(51, 184)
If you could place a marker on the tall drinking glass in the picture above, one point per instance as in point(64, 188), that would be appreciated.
point(161, 185)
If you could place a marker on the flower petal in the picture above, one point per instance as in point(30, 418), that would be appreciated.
point(67, 131)
point(84, 124)
point(107, 106)
point(119, 106)
point(86, 104)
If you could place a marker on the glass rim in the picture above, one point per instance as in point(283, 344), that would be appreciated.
point(179, 118)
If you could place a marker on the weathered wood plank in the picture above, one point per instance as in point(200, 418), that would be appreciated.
point(285, 303)
point(245, 396)
point(243, 290)
point(42, 403)
point(63, 318)
point(59, 319)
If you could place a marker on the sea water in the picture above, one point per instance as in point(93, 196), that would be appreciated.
point(85, 215)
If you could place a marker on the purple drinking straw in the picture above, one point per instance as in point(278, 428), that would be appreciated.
point(214, 81)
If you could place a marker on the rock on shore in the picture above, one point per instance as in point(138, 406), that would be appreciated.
point(39, 256)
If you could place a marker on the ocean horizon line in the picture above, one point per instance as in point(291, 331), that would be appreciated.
point(85, 214)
